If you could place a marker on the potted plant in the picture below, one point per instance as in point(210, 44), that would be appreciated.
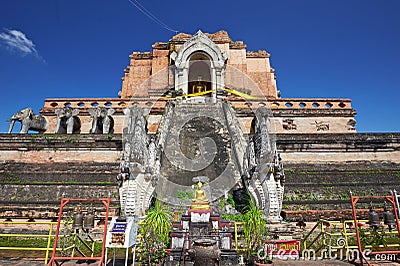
point(155, 231)
point(255, 232)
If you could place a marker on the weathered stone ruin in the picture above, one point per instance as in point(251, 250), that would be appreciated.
point(198, 104)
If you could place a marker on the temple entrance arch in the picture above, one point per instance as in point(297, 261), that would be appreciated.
point(199, 47)
point(199, 80)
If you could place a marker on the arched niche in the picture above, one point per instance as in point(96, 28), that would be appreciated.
point(199, 76)
point(200, 53)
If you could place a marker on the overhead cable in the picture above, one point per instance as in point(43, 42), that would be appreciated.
point(142, 9)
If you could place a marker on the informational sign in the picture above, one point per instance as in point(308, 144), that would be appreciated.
point(122, 234)
point(119, 227)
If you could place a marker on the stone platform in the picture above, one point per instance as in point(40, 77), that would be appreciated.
point(37, 169)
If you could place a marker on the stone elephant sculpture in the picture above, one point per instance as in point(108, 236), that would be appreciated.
point(67, 120)
point(29, 121)
point(102, 122)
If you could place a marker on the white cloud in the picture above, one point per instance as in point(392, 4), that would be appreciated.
point(17, 41)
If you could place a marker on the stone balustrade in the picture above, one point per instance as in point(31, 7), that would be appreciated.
point(83, 103)
point(294, 103)
point(336, 115)
point(118, 104)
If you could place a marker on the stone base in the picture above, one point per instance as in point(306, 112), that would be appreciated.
point(190, 211)
point(274, 219)
point(200, 215)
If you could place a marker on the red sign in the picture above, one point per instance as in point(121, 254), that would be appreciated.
point(283, 248)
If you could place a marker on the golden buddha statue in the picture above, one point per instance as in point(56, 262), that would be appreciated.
point(198, 86)
point(200, 201)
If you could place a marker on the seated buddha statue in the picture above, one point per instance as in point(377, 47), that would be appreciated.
point(200, 201)
point(198, 86)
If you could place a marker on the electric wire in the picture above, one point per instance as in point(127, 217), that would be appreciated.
point(142, 9)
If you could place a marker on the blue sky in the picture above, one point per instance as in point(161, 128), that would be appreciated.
point(319, 48)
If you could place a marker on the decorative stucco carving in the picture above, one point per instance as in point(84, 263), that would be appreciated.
point(236, 134)
point(140, 164)
point(322, 126)
point(288, 124)
point(199, 43)
point(263, 170)
point(351, 125)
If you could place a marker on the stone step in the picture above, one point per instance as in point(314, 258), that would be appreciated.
point(189, 123)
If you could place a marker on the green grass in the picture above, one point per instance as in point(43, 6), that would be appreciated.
point(232, 217)
point(309, 173)
point(184, 195)
point(69, 140)
point(19, 182)
point(22, 242)
point(33, 242)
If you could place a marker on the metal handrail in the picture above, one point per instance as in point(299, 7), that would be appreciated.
point(342, 231)
point(236, 224)
point(49, 237)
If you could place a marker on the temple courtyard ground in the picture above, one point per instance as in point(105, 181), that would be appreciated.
point(22, 259)
point(120, 262)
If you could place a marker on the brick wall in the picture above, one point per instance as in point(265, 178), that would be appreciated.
point(320, 168)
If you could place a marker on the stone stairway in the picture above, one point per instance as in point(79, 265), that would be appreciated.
point(261, 194)
point(273, 197)
point(197, 142)
point(134, 195)
point(128, 196)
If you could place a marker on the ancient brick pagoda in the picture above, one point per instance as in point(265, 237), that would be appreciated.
point(210, 62)
point(210, 75)
point(193, 87)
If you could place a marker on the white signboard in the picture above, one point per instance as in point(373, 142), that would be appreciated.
point(122, 234)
